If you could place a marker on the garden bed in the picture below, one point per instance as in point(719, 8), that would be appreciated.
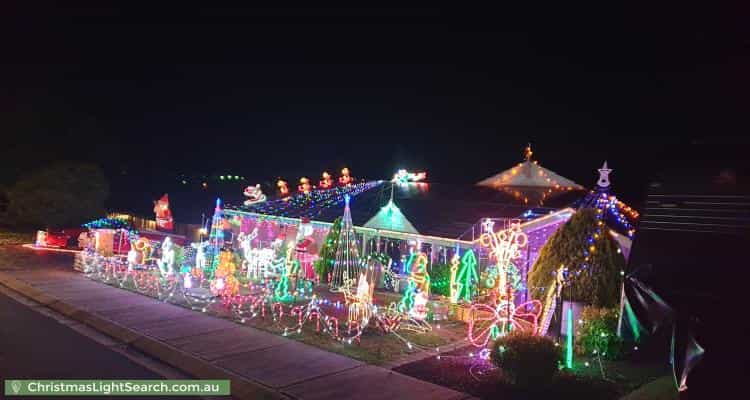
point(465, 371)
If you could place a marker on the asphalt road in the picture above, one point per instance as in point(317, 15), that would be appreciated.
point(33, 345)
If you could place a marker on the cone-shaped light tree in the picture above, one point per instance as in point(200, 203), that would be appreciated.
point(346, 265)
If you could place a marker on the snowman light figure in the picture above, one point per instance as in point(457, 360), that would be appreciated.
point(132, 258)
point(166, 263)
point(419, 310)
point(200, 254)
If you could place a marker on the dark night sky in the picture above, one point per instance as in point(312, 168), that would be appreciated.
point(268, 92)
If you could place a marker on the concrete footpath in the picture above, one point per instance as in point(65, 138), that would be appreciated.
point(259, 364)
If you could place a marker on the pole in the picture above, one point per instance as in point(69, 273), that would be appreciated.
point(569, 338)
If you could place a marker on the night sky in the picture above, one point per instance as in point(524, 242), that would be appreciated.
point(150, 93)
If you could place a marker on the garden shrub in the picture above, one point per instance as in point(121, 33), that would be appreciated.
point(593, 276)
point(440, 279)
point(597, 334)
point(526, 359)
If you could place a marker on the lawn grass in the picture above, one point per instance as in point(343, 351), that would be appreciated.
point(374, 347)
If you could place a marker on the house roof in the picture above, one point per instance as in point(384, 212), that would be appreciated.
point(443, 210)
point(529, 174)
point(391, 218)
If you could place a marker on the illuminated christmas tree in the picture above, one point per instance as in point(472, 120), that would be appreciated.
point(327, 253)
point(216, 238)
point(346, 266)
point(224, 282)
point(464, 277)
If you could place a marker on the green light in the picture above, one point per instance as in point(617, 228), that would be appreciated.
point(569, 339)
point(634, 325)
point(236, 177)
point(221, 177)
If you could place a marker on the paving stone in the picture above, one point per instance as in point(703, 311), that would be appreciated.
point(146, 314)
point(111, 303)
point(287, 364)
point(73, 293)
point(226, 343)
point(185, 326)
point(370, 383)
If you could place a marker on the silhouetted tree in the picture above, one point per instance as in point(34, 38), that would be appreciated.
point(62, 194)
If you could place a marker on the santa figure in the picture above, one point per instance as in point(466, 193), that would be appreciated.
point(304, 249)
point(345, 179)
point(283, 187)
point(164, 220)
point(326, 182)
point(419, 310)
point(304, 185)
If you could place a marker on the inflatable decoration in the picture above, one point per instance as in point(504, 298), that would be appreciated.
point(164, 220)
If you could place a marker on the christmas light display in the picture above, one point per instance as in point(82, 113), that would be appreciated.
point(201, 260)
point(84, 240)
point(346, 266)
point(167, 261)
point(216, 237)
point(312, 204)
point(144, 248)
point(262, 263)
point(326, 182)
point(164, 219)
point(616, 213)
point(282, 290)
point(360, 303)
point(304, 246)
point(224, 282)
point(419, 283)
point(106, 223)
point(488, 322)
point(41, 239)
point(262, 300)
point(283, 187)
point(455, 263)
point(254, 195)
point(132, 258)
point(529, 174)
point(464, 282)
point(345, 179)
point(418, 310)
point(604, 172)
point(403, 176)
point(505, 245)
point(304, 185)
